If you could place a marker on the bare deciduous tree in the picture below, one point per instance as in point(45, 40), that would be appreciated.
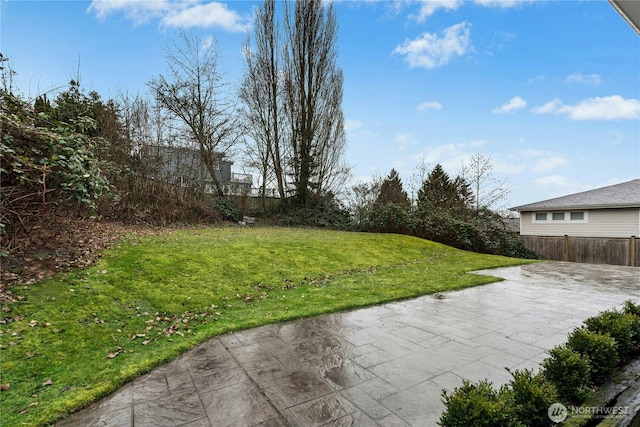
point(314, 96)
point(194, 93)
point(261, 92)
point(292, 94)
point(489, 191)
point(7, 74)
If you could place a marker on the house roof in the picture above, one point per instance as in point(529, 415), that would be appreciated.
point(624, 195)
point(630, 12)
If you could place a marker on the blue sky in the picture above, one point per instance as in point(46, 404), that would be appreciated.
point(549, 90)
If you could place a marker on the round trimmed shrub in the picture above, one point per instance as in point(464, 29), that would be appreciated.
point(532, 395)
point(601, 350)
point(622, 327)
point(479, 405)
point(569, 372)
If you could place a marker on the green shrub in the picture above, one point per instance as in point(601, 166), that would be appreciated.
point(389, 218)
point(477, 405)
point(622, 327)
point(600, 349)
point(323, 211)
point(532, 394)
point(569, 371)
point(631, 308)
point(225, 208)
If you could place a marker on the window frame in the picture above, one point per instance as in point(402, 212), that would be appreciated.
point(565, 220)
point(535, 216)
point(571, 219)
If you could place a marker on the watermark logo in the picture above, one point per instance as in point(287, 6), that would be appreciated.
point(557, 412)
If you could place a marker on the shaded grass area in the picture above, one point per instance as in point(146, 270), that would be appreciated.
point(81, 335)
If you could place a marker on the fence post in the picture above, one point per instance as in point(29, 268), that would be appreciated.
point(632, 251)
point(566, 248)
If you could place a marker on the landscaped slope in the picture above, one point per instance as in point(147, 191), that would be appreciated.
point(78, 336)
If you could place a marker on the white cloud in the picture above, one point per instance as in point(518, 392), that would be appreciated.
point(536, 79)
point(351, 125)
point(429, 7)
point(516, 103)
point(548, 163)
point(429, 105)
point(589, 79)
point(430, 51)
point(509, 166)
point(137, 11)
point(503, 4)
point(556, 181)
point(207, 43)
point(607, 108)
point(612, 107)
point(537, 161)
point(182, 14)
point(560, 185)
point(212, 14)
point(359, 131)
point(614, 138)
point(450, 156)
point(404, 140)
point(550, 107)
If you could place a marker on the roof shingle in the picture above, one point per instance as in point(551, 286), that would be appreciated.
point(623, 195)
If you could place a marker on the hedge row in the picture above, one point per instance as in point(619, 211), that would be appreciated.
point(572, 370)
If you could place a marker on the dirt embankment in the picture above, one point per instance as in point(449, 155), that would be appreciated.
point(59, 245)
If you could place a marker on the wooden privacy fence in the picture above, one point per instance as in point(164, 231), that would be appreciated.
point(591, 250)
point(248, 203)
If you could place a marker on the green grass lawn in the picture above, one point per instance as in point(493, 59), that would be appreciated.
point(79, 336)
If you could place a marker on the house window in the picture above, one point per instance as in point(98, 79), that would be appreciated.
point(577, 216)
point(565, 217)
point(541, 216)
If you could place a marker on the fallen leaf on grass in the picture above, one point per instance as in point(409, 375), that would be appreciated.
point(172, 330)
point(47, 382)
point(5, 387)
point(112, 355)
point(33, 323)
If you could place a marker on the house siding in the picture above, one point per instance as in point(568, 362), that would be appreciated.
point(600, 223)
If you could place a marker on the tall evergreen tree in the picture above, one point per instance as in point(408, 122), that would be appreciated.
point(439, 191)
point(392, 191)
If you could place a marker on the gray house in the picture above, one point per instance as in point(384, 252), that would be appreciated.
point(598, 226)
point(184, 166)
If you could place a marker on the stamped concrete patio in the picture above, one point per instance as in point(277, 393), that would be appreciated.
point(378, 366)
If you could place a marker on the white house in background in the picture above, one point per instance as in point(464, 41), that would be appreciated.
point(606, 212)
point(184, 166)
